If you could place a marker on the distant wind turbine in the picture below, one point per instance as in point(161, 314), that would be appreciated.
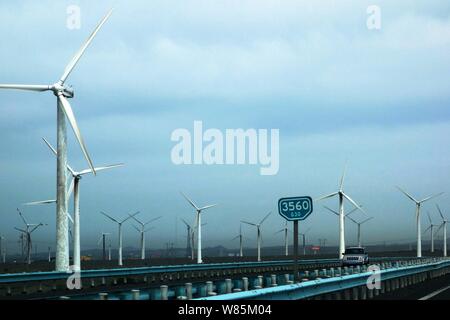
point(190, 240)
point(258, 229)
point(143, 231)
point(119, 223)
point(198, 225)
point(29, 229)
point(102, 239)
point(431, 228)
point(75, 187)
point(443, 226)
point(341, 195)
point(64, 110)
point(304, 240)
point(418, 206)
point(286, 244)
point(241, 241)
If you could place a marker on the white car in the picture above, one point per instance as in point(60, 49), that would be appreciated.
point(355, 256)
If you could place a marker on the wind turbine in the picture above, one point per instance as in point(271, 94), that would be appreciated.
point(64, 109)
point(304, 240)
point(29, 229)
point(119, 223)
point(285, 229)
point(142, 231)
point(190, 240)
point(75, 187)
point(418, 205)
point(241, 241)
point(198, 225)
point(354, 221)
point(341, 195)
point(359, 228)
point(431, 228)
point(444, 226)
point(103, 240)
point(258, 229)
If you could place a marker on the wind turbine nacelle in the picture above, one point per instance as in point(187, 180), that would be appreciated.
point(68, 93)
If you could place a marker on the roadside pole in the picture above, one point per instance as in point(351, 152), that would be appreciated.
point(296, 277)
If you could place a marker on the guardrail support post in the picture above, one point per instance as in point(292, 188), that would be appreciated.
point(355, 295)
point(209, 287)
point(363, 292)
point(135, 294)
point(347, 294)
point(245, 283)
point(274, 280)
point(370, 293)
point(260, 281)
point(228, 286)
point(188, 287)
point(164, 292)
point(103, 296)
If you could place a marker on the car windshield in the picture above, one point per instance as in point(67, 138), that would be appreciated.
point(354, 251)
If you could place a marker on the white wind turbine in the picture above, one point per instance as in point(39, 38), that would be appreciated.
point(198, 225)
point(341, 196)
point(359, 228)
point(418, 206)
point(258, 236)
point(304, 239)
point(75, 187)
point(29, 229)
point(102, 240)
point(142, 232)
point(431, 228)
point(119, 223)
point(64, 109)
point(444, 226)
point(241, 241)
point(286, 245)
point(190, 240)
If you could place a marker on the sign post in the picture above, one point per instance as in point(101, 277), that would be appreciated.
point(295, 209)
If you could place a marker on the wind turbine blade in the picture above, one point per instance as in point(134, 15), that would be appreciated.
point(439, 229)
point(279, 231)
point(407, 194)
point(427, 229)
point(109, 217)
point(368, 219)
point(331, 210)
point(130, 216)
point(353, 202)
point(36, 88)
point(137, 220)
point(343, 177)
point(39, 225)
point(187, 224)
point(100, 240)
point(137, 229)
point(70, 189)
point(20, 230)
point(100, 169)
point(353, 210)
point(152, 220)
point(327, 196)
point(36, 203)
point(73, 122)
point(352, 220)
point(70, 218)
point(431, 197)
point(429, 217)
point(265, 218)
point(207, 207)
point(83, 48)
point(190, 201)
point(22, 217)
point(440, 212)
point(252, 224)
point(237, 237)
point(56, 153)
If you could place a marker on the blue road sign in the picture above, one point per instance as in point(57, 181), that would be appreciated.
point(294, 209)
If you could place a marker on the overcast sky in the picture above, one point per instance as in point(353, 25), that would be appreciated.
point(336, 90)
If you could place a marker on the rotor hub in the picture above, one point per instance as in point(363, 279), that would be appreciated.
point(59, 88)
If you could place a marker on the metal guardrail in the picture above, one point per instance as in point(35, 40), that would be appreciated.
point(46, 276)
point(329, 285)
